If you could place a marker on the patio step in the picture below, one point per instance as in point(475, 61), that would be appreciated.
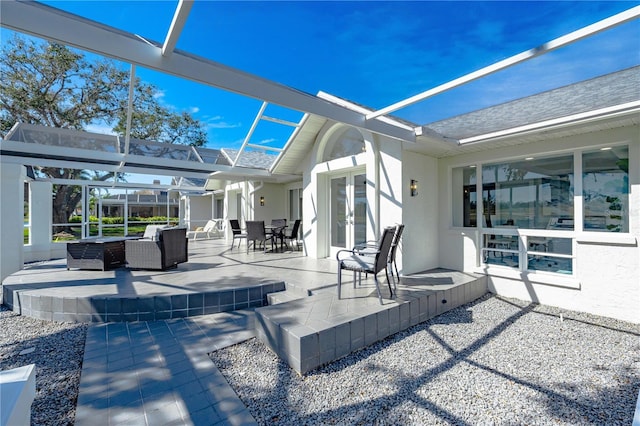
point(283, 297)
point(313, 331)
point(291, 292)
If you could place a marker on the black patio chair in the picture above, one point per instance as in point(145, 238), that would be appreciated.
point(368, 263)
point(293, 235)
point(394, 248)
point(237, 232)
point(278, 227)
point(369, 249)
point(256, 233)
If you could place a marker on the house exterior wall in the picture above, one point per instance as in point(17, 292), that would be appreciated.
point(275, 202)
point(606, 279)
point(198, 210)
point(419, 245)
point(381, 162)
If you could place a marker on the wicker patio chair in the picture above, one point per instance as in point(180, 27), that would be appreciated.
point(166, 251)
point(367, 263)
point(256, 233)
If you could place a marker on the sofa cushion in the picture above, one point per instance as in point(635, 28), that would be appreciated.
point(152, 232)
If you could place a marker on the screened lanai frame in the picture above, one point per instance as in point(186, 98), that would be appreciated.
point(67, 148)
point(56, 25)
point(52, 24)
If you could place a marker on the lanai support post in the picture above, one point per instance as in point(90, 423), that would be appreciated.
point(12, 177)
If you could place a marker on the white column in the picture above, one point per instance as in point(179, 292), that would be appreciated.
point(12, 177)
point(40, 202)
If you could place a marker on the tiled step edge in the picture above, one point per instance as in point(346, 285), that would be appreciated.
point(143, 308)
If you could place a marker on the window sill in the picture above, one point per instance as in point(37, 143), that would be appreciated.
point(606, 238)
point(529, 276)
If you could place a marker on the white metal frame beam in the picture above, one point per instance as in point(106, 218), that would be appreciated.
point(605, 24)
point(56, 25)
point(179, 19)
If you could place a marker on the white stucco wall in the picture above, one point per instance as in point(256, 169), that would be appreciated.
point(606, 278)
point(420, 241)
point(198, 210)
point(381, 162)
point(275, 202)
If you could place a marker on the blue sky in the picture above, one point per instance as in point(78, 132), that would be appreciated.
point(374, 53)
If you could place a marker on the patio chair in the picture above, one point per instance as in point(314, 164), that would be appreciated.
point(256, 233)
point(367, 263)
point(293, 235)
point(237, 231)
point(209, 230)
point(277, 230)
point(167, 250)
point(369, 248)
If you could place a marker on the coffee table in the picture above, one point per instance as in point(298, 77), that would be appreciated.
point(97, 253)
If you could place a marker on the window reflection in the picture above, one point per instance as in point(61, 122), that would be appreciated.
point(345, 143)
point(534, 194)
point(605, 189)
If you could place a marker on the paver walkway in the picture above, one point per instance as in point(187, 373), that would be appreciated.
point(159, 373)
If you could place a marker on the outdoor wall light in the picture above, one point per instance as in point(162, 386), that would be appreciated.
point(262, 201)
point(413, 187)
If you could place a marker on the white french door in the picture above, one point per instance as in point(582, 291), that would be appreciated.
point(347, 210)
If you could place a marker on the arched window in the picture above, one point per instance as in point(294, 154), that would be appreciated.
point(344, 143)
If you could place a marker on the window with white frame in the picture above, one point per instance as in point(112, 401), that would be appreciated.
point(531, 193)
point(295, 204)
point(219, 208)
point(344, 143)
point(527, 207)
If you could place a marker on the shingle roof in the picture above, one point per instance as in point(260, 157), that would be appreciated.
point(612, 89)
point(251, 159)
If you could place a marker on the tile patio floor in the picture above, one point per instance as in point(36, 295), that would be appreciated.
point(159, 372)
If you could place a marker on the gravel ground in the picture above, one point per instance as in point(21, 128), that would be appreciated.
point(57, 350)
point(493, 361)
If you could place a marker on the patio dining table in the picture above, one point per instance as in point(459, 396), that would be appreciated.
point(274, 231)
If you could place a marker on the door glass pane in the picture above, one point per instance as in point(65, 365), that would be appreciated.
point(359, 208)
point(338, 221)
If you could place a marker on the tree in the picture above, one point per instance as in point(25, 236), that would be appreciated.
point(52, 85)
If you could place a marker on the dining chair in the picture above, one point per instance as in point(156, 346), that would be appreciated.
point(277, 230)
point(293, 235)
point(256, 233)
point(367, 263)
point(237, 232)
point(369, 248)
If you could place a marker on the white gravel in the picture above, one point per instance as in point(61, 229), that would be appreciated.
point(493, 361)
point(57, 350)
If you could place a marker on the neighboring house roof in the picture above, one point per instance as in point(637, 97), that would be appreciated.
point(601, 92)
point(250, 159)
point(139, 199)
